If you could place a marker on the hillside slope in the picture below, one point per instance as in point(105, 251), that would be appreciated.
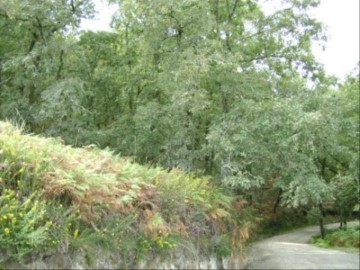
point(59, 199)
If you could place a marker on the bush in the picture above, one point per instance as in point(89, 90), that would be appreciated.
point(347, 237)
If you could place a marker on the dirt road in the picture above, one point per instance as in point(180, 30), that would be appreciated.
point(292, 251)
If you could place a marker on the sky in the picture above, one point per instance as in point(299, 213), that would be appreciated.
point(342, 48)
point(341, 17)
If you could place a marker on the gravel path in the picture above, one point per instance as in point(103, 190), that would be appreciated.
point(292, 251)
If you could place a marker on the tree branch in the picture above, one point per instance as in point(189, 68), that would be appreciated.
point(58, 74)
point(40, 29)
point(32, 44)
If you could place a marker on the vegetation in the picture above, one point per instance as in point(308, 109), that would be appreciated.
point(55, 196)
point(346, 237)
point(222, 90)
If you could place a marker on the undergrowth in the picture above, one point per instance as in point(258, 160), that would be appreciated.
point(346, 237)
point(56, 197)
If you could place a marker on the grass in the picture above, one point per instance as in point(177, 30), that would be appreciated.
point(54, 196)
point(344, 238)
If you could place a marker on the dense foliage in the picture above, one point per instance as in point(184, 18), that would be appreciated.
point(55, 197)
point(217, 88)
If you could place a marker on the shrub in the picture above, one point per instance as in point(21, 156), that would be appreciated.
point(347, 237)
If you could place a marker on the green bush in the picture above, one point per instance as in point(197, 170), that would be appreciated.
point(347, 237)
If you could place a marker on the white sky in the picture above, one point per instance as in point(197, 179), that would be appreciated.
point(342, 48)
point(102, 19)
point(341, 17)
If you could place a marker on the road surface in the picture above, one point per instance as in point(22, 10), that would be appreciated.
point(292, 251)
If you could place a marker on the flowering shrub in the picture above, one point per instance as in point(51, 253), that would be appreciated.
point(24, 225)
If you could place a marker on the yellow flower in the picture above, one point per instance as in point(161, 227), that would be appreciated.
point(11, 215)
point(76, 233)
point(7, 231)
point(4, 217)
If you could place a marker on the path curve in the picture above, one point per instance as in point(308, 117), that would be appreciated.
point(292, 251)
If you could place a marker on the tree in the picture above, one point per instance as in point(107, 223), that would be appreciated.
point(33, 51)
point(214, 87)
point(200, 59)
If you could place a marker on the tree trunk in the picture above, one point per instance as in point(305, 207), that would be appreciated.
point(277, 201)
point(321, 218)
point(341, 217)
point(321, 221)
